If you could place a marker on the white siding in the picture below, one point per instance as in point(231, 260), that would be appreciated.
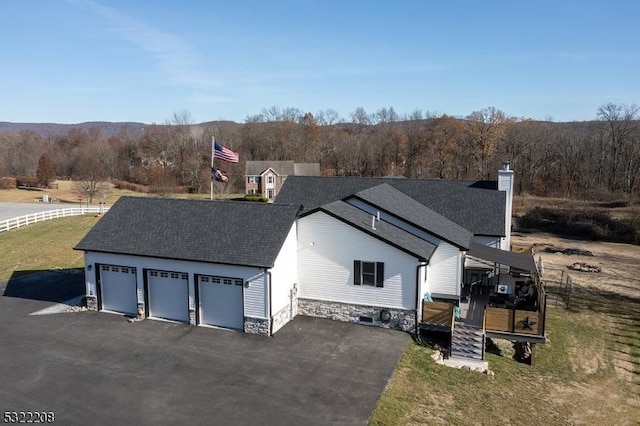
point(327, 248)
point(444, 274)
point(254, 295)
point(284, 272)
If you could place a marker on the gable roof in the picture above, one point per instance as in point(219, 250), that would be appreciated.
point(392, 201)
point(237, 233)
point(256, 168)
point(474, 205)
point(384, 231)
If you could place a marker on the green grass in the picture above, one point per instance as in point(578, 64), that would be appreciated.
point(44, 245)
point(577, 378)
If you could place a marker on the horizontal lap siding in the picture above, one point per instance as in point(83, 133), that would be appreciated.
point(284, 272)
point(327, 248)
point(444, 270)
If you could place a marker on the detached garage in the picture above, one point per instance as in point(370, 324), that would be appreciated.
point(211, 263)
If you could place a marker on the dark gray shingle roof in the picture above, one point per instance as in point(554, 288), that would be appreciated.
point(237, 233)
point(475, 205)
point(256, 168)
point(392, 235)
point(306, 169)
point(392, 201)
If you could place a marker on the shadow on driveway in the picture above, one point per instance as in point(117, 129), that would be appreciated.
point(46, 285)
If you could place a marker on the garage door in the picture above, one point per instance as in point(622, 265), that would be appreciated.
point(220, 302)
point(118, 289)
point(168, 295)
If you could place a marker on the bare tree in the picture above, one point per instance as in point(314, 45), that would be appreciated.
point(90, 179)
point(620, 135)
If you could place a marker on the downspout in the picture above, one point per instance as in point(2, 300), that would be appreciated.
point(268, 274)
point(418, 298)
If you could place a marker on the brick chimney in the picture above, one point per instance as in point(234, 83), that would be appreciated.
point(505, 183)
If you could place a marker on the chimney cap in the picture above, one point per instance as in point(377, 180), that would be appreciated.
point(505, 165)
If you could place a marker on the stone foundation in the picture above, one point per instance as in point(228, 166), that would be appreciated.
point(256, 326)
point(281, 318)
point(91, 302)
point(400, 319)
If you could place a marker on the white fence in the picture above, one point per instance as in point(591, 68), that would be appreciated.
point(29, 219)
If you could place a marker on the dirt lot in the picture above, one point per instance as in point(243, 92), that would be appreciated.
point(609, 299)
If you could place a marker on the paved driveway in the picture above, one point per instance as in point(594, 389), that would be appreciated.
point(12, 210)
point(96, 368)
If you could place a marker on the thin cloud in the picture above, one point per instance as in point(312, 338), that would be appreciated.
point(173, 55)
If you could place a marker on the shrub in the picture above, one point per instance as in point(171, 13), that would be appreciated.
point(256, 198)
point(128, 186)
point(586, 224)
point(8, 183)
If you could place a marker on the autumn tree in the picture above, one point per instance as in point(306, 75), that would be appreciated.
point(45, 173)
point(485, 129)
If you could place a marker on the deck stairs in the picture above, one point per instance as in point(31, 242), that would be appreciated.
point(467, 346)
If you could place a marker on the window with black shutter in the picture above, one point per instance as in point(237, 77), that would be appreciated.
point(368, 273)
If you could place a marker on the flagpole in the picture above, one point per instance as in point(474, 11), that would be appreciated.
point(213, 154)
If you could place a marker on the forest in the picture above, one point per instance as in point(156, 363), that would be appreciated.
point(597, 159)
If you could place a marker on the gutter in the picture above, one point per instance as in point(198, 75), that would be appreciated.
point(269, 316)
point(420, 265)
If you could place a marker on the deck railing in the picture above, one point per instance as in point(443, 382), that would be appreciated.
point(438, 314)
point(29, 219)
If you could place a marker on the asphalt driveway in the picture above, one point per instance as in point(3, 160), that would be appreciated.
point(96, 368)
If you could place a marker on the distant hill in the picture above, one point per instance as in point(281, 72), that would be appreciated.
point(45, 129)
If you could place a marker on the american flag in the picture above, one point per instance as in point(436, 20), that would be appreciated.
point(223, 153)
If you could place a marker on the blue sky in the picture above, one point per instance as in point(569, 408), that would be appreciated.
point(71, 61)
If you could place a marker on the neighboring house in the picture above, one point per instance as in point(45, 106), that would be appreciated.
point(224, 264)
point(396, 253)
point(266, 177)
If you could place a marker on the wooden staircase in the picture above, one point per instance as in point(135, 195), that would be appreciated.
point(467, 346)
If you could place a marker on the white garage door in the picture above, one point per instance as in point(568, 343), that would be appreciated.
point(118, 289)
point(220, 302)
point(168, 295)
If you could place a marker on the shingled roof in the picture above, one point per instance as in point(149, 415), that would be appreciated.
point(390, 200)
point(256, 168)
point(237, 233)
point(474, 205)
point(386, 232)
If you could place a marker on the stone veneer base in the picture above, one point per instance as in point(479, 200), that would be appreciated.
point(401, 319)
point(257, 326)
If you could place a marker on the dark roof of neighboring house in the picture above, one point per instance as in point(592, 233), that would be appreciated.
point(237, 233)
point(396, 203)
point(522, 261)
point(384, 231)
point(306, 169)
point(283, 168)
point(475, 205)
point(256, 168)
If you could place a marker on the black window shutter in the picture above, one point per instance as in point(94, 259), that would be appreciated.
point(357, 276)
point(379, 274)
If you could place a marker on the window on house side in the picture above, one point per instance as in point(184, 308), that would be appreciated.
point(270, 179)
point(368, 273)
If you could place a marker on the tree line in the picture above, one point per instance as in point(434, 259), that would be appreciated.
point(572, 159)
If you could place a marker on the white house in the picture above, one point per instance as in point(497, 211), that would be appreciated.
point(364, 250)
